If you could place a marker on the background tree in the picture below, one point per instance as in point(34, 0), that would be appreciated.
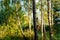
point(29, 14)
point(50, 18)
point(34, 21)
point(42, 19)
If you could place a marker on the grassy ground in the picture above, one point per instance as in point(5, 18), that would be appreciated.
point(56, 37)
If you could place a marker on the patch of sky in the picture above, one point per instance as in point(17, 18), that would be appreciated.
point(37, 1)
point(38, 12)
point(22, 3)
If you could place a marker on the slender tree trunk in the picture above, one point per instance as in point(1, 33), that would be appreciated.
point(51, 12)
point(18, 18)
point(34, 21)
point(42, 21)
point(19, 23)
point(42, 14)
point(50, 18)
point(44, 30)
point(29, 15)
point(52, 32)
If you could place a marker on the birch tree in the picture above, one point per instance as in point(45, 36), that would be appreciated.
point(42, 18)
point(17, 14)
point(50, 19)
point(29, 15)
point(42, 21)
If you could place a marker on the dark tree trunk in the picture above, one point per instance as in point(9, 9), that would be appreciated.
point(34, 21)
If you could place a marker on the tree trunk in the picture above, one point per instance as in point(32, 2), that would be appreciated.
point(44, 32)
point(29, 15)
point(42, 19)
point(18, 18)
point(34, 21)
point(50, 18)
